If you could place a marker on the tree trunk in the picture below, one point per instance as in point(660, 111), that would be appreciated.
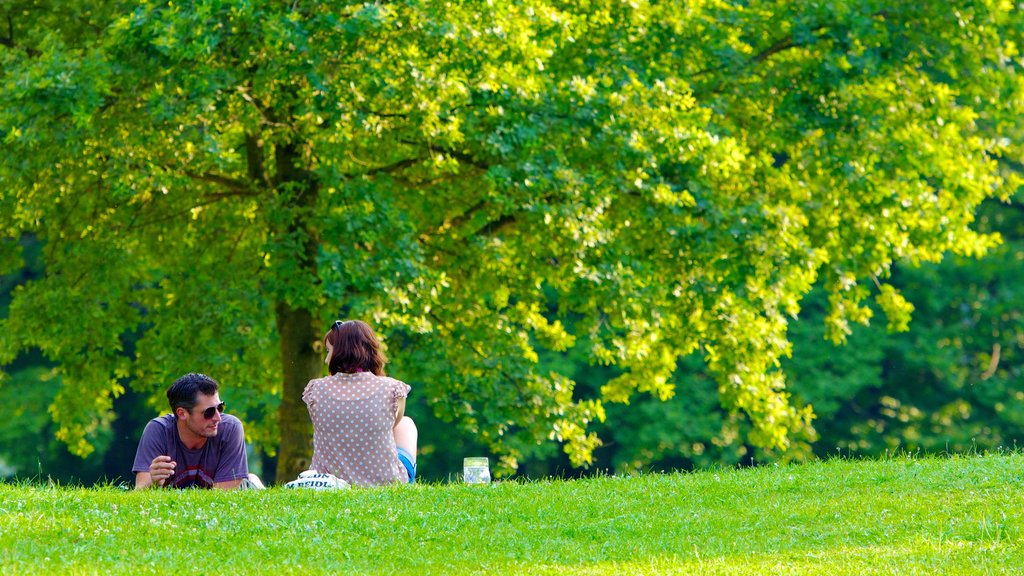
point(296, 324)
point(301, 363)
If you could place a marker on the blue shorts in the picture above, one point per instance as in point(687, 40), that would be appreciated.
point(406, 459)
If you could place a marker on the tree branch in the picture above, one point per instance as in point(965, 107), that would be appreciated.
point(993, 363)
point(254, 158)
point(389, 168)
point(173, 215)
point(264, 111)
point(386, 114)
point(776, 47)
point(480, 353)
point(9, 41)
point(1010, 163)
point(467, 159)
point(779, 46)
point(238, 240)
point(236, 187)
point(460, 156)
point(489, 228)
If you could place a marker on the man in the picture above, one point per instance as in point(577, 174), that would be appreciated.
point(197, 445)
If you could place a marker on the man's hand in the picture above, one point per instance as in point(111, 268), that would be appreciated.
point(161, 469)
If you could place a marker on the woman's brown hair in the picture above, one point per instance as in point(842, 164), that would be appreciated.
point(355, 348)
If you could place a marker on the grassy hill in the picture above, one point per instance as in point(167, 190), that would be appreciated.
point(957, 515)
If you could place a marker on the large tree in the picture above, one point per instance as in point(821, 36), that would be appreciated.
point(221, 178)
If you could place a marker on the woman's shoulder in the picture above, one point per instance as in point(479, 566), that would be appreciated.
point(312, 385)
point(388, 380)
point(395, 384)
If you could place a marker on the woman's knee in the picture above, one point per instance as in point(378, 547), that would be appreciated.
point(406, 427)
point(406, 434)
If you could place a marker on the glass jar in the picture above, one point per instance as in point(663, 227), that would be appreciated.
point(476, 470)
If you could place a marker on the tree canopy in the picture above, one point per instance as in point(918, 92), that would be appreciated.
point(217, 180)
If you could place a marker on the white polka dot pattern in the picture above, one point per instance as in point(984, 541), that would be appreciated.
point(353, 416)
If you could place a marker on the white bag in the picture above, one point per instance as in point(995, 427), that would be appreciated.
point(317, 481)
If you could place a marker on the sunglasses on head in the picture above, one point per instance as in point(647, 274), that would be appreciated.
point(209, 412)
point(338, 324)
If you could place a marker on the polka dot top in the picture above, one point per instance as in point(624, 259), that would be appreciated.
point(353, 416)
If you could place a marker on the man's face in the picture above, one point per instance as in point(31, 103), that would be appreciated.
point(196, 419)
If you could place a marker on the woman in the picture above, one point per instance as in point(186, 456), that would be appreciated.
point(360, 431)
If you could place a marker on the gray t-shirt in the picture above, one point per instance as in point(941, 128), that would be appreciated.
point(221, 459)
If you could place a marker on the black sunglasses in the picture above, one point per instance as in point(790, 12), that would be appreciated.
point(209, 412)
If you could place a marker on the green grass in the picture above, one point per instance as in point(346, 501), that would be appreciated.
point(898, 516)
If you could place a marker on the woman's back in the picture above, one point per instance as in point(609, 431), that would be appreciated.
point(353, 416)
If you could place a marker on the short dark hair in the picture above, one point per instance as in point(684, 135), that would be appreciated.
point(355, 347)
point(183, 393)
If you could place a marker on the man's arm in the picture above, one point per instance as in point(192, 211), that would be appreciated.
point(160, 470)
point(228, 485)
point(152, 466)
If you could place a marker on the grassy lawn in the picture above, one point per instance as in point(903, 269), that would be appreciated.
point(959, 515)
